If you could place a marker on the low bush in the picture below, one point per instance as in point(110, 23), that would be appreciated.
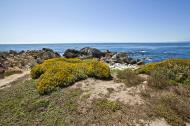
point(163, 110)
point(174, 70)
point(179, 104)
point(129, 77)
point(158, 81)
point(62, 72)
point(174, 108)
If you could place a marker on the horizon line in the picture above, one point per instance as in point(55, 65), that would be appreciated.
point(92, 42)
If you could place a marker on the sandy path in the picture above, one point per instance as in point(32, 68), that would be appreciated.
point(12, 78)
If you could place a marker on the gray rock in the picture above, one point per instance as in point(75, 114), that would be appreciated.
point(120, 58)
point(47, 49)
point(91, 52)
point(25, 59)
point(71, 53)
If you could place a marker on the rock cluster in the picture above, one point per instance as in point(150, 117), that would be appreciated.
point(107, 56)
point(24, 59)
point(86, 52)
point(13, 61)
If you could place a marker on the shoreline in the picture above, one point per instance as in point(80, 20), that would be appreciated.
point(12, 61)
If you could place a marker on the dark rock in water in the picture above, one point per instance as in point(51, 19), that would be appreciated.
point(71, 53)
point(12, 52)
point(91, 52)
point(48, 55)
point(120, 58)
point(21, 52)
point(47, 49)
point(132, 62)
point(108, 56)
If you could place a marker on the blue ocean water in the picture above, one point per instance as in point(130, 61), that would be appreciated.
point(150, 52)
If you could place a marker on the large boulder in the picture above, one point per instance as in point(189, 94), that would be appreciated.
point(91, 52)
point(121, 57)
point(71, 53)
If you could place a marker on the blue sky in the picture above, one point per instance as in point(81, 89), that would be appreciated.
point(58, 21)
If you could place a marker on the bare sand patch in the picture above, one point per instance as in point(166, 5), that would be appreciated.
point(12, 78)
point(111, 90)
point(158, 122)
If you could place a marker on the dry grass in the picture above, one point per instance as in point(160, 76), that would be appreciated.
point(168, 104)
point(129, 77)
point(159, 82)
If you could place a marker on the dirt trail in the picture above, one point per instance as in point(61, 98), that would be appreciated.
point(12, 78)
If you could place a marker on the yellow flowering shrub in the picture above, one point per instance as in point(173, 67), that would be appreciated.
point(147, 68)
point(62, 72)
point(174, 71)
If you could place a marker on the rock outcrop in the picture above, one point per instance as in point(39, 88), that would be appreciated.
point(107, 56)
point(91, 52)
point(24, 59)
point(71, 53)
point(13, 61)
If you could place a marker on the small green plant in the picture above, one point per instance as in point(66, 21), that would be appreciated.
point(105, 104)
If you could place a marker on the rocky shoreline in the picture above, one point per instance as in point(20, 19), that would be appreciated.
point(14, 62)
point(107, 56)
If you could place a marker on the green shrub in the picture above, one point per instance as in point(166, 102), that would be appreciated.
point(151, 66)
point(158, 81)
point(62, 72)
point(129, 77)
point(145, 69)
point(54, 78)
point(36, 72)
point(101, 70)
point(105, 104)
point(174, 108)
point(173, 70)
point(163, 110)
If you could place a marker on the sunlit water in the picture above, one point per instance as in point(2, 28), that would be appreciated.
point(151, 52)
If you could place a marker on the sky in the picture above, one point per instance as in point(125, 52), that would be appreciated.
point(64, 21)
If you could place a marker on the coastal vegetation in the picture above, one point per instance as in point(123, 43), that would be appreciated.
point(129, 77)
point(172, 71)
point(62, 72)
point(169, 89)
point(163, 87)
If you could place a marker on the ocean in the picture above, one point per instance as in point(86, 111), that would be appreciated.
point(150, 52)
